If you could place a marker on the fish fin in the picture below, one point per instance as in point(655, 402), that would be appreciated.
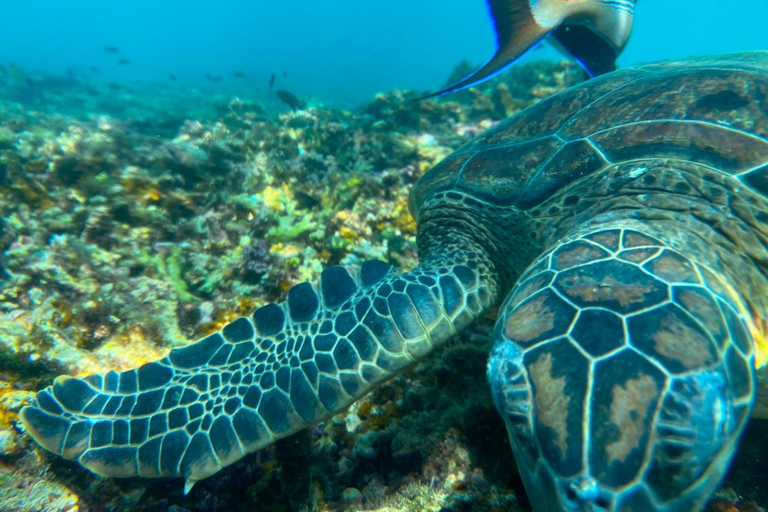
point(188, 485)
point(517, 32)
point(595, 33)
point(596, 55)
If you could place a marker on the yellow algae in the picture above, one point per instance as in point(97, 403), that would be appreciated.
point(347, 234)
point(284, 251)
point(11, 402)
point(279, 199)
point(122, 352)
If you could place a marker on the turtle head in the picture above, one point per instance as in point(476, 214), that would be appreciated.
point(624, 438)
point(623, 388)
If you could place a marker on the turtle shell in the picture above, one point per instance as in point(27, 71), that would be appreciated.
point(710, 110)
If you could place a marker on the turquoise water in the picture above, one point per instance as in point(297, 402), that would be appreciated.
point(142, 205)
point(341, 51)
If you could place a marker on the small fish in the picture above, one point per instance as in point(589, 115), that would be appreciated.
point(594, 32)
point(285, 74)
point(172, 77)
point(115, 87)
point(272, 80)
point(213, 78)
point(94, 69)
point(290, 99)
point(111, 49)
point(238, 74)
point(305, 201)
point(123, 62)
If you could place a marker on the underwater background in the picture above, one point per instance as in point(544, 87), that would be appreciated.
point(153, 187)
point(342, 50)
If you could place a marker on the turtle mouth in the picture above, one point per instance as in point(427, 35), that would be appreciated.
point(584, 495)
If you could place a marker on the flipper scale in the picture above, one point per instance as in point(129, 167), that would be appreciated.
point(260, 378)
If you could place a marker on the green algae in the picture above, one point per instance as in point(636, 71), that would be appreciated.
point(171, 269)
point(290, 227)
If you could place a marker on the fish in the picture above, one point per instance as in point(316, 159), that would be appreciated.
point(115, 87)
point(238, 74)
point(593, 32)
point(272, 80)
point(123, 62)
point(172, 77)
point(285, 74)
point(213, 78)
point(111, 49)
point(290, 99)
point(94, 69)
point(305, 201)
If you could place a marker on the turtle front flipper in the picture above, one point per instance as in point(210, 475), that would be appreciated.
point(262, 377)
point(623, 370)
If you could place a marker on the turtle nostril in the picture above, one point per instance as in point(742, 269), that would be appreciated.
point(602, 502)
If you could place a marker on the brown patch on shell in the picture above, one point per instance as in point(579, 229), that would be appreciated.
point(638, 255)
point(635, 239)
point(591, 290)
point(673, 268)
point(629, 406)
point(531, 286)
point(571, 163)
point(723, 97)
point(677, 341)
point(577, 253)
point(717, 146)
point(530, 321)
point(500, 173)
point(551, 400)
point(699, 304)
point(608, 239)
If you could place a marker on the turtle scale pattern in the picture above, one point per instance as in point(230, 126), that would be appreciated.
point(623, 225)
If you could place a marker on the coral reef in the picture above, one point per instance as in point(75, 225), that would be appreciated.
point(131, 223)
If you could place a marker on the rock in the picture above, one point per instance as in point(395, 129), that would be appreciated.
point(352, 422)
point(351, 494)
point(21, 493)
point(8, 444)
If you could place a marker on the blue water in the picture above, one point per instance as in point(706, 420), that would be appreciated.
point(340, 51)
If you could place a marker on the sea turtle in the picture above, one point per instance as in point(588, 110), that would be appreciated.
point(624, 224)
point(593, 32)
